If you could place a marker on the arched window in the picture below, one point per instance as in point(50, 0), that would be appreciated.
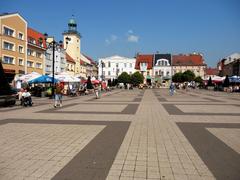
point(162, 62)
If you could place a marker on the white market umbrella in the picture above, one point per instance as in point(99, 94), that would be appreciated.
point(29, 77)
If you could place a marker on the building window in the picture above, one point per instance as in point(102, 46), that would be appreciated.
point(116, 65)
point(20, 62)
point(62, 60)
point(20, 36)
point(8, 60)
point(48, 56)
point(31, 40)
point(40, 44)
point(109, 73)
point(30, 52)
point(156, 73)
point(8, 31)
point(125, 65)
point(109, 64)
point(30, 64)
point(8, 46)
point(130, 65)
point(39, 55)
point(39, 65)
point(20, 49)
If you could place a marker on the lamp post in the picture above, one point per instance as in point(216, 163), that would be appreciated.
point(102, 63)
point(54, 45)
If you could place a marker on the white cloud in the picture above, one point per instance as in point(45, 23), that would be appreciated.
point(114, 37)
point(111, 39)
point(107, 41)
point(130, 31)
point(133, 38)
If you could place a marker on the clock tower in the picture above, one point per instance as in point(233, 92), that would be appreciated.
point(72, 43)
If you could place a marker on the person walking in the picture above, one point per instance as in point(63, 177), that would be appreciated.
point(89, 85)
point(58, 96)
point(97, 90)
point(171, 89)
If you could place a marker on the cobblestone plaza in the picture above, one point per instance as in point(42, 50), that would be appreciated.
point(127, 135)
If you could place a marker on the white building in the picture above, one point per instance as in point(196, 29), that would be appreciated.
point(162, 66)
point(231, 58)
point(112, 67)
point(60, 61)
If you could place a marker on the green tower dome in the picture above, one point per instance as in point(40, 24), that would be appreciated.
point(72, 25)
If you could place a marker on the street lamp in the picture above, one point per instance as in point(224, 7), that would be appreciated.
point(102, 63)
point(54, 45)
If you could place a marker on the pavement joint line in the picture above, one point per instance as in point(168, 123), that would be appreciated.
point(222, 160)
point(96, 158)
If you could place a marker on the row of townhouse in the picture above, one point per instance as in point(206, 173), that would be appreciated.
point(24, 50)
point(229, 65)
point(154, 67)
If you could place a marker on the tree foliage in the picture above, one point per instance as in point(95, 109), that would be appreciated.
point(198, 79)
point(124, 78)
point(136, 78)
point(178, 77)
point(209, 83)
point(226, 82)
point(188, 76)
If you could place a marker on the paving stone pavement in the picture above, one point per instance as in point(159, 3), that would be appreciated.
point(127, 134)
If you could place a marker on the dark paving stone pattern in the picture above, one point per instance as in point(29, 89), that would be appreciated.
point(95, 160)
point(222, 160)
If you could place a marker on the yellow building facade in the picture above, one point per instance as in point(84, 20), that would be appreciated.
point(72, 44)
point(13, 44)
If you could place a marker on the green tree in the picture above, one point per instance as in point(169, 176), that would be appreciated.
point(210, 82)
point(4, 85)
point(178, 77)
point(188, 76)
point(226, 82)
point(136, 78)
point(198, 79)
point(109, 82)
point(124, 78)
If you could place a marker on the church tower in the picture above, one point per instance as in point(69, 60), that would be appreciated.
point(72, 44)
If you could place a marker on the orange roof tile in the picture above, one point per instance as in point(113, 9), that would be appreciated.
point(33, 34)
point(69, 58)
point(187, 60)
point(144, 58)
point(212, 71)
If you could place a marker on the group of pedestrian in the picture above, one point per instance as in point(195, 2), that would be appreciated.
point(90, 87)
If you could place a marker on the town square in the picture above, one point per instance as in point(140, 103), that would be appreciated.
point(103, 91)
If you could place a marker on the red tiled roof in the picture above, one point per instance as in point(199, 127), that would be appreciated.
point(144, 58)
point(90, 59)
point(82, 62)
point(69, 58)
point(188, 60)
point(212, 71)
point(33, 34)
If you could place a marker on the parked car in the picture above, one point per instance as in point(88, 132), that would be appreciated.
point(8, 99)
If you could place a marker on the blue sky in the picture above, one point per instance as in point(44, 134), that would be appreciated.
point(125, 27)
